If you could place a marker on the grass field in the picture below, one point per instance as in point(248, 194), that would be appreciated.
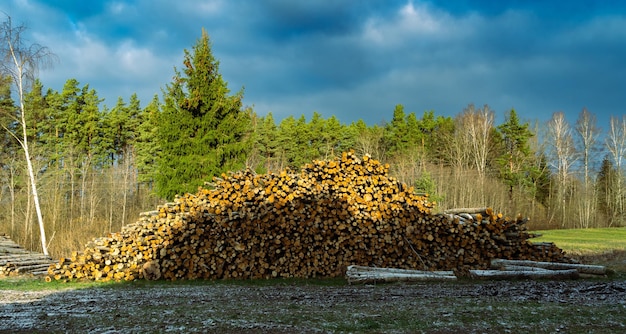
point(605, 246)
point(586, 241)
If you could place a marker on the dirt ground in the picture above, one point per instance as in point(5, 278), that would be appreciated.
point(577, 306)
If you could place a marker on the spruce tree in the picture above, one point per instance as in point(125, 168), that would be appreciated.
point(514, 162)
point(204, 131)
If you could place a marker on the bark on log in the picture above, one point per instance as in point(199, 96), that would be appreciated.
point(581, 268)
point(362, 274)
point(312, 223)
point(15, 260)
point(456, 211)
point(524, 274)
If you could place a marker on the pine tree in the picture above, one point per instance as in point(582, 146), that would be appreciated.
point(146, 145)
point(204, 132)
point(123, 121)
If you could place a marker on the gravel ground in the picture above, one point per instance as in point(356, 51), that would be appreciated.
point(579, 306)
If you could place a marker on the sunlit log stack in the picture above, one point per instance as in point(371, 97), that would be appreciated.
point(314, 223)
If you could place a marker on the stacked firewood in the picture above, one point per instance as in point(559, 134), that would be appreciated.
point(317, 222)
point(16, 260)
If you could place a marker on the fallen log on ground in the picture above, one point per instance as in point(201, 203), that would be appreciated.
point(362, 274)
point(581, 268)
point(524, 274)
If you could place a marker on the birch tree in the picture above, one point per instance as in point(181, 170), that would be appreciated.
point(564, 156)
point(587, 133)
point(478, 124)
point(616, 144)
point(21, 61)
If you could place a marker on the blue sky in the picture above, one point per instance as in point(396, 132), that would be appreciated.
point(355, 59)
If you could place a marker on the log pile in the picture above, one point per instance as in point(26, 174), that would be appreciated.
point(15, 260)
point(312, 223)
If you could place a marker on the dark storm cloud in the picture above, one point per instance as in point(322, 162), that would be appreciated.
point(353, 59)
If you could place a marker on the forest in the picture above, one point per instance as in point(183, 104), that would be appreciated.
point(97, 167)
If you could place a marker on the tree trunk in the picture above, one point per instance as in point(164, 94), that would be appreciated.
point(33, 186)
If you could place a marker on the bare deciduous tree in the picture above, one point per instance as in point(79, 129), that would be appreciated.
point(478, 125)
point(616, 144)
point(587, 133)
point(564, 157)
point(21, 61)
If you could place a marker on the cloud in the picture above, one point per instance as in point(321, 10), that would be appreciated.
point(352, 59)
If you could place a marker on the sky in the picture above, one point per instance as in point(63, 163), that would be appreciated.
point(354, 59)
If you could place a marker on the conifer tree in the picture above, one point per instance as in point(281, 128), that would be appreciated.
point(606, 184)
point(294, 141)
point(204, 131)
point(396, 133)
point(146, 146)
point(266, 142)
point(514, 162)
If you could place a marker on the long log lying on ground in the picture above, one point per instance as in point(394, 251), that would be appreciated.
point(362, 274)
point(524, 274)
point(581, 268)
point(312, 223)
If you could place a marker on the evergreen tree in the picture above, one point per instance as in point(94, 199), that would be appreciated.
point(514, 162)
point(34, 103)
point(294, 141)
point(7, 105)
point(436, 131)
point(337, 137)
point(606, 184)
point(80, 124)
point(7, 120)
point(396, 133)
point(316, 137)
point(266, 142)
point(204, 132)
point(123, 126)
point(55, 126)
point(146, 145)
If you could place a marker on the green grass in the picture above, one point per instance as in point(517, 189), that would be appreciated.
point(591, 241)
point(602, 246)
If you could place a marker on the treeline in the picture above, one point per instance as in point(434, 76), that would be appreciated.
point(98, 167)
